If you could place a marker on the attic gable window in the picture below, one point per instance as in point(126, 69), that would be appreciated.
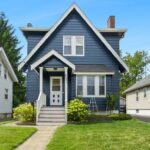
point(73, 45)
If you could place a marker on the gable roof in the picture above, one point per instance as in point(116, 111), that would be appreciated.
point(50, 54)
point(53, 28)
point(140, 84)
point(4, 58)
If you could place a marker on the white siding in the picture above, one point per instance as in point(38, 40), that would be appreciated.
point(5, 104)
point(140, 107)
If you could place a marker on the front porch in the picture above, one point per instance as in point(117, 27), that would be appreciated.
point(53, 95)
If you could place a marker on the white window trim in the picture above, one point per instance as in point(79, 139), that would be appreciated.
point(96, 79)
point(73, 44)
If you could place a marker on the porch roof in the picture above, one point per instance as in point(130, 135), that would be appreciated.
point(93, 68)
point(49, 55)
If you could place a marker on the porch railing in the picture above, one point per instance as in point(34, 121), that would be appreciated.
point(41, 101)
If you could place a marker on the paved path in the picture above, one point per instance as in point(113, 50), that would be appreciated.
point(39, 140)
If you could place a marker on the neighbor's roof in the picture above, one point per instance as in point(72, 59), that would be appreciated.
point(94, 68)
point(54, 27)
point(140, 84)
point(7, 64)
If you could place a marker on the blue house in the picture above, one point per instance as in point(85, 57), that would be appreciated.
point(72, 58)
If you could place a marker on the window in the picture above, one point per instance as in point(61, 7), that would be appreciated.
point(137, 111)
point(73, 45)
point(101, 85)
point(145, 92)
point(6, 94)
point(56, 85)
point(5, 74)
point(0, 70)
point(137, 97)
point(80, 86)
point(91, 85)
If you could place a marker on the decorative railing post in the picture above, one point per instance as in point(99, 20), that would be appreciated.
point(66, 92)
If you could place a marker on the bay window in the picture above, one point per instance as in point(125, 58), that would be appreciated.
point(73, 45)
point(91, 85)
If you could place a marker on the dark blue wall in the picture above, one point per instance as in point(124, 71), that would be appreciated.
point(95, 53)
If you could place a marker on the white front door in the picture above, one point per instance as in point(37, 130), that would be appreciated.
point(56, 91)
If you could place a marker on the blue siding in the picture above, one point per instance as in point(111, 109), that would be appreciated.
point(95, 53)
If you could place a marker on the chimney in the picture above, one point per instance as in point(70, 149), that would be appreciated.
point(29, 25)
point(111, 22)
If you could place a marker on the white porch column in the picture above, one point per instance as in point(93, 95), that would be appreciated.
point(41, 80)
point(66, 92)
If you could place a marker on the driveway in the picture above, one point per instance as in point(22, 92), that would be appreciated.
point(143, 118)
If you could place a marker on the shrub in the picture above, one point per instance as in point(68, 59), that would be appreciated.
point(111, 102)
point(120, 116)
point(24, 112)
point(77, 110)
point(98, 118)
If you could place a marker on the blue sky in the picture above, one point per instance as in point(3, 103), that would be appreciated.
point(131, 14)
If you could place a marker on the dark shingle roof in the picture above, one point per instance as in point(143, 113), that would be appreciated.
point(140, 84)
point(93, 68)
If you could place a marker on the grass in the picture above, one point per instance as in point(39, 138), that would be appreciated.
point(11, 137)
point(115, 135)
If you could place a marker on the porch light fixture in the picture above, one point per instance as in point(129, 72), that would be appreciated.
point(55, 68)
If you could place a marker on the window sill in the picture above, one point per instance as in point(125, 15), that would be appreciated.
point(92, 96)
point(73, 55)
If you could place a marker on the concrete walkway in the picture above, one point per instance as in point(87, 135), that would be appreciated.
point(39, 140)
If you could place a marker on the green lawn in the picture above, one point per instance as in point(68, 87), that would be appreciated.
point(117, 135)
point(10, 137)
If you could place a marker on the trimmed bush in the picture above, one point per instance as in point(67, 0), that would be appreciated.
point(120, 117)
point(24, 113)
point(77, 110)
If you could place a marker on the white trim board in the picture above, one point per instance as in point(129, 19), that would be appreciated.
point(47, 35)
point(50, 54)
point(94, 73)
point(4, 58)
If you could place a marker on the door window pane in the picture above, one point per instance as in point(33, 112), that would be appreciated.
point(90, 85)
point(56, 85)
point(80, 86)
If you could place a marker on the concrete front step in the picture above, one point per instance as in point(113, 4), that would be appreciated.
point(53, 108)
point(50, 123)
point(52, 112)
point(52, 115)
point(52, 119)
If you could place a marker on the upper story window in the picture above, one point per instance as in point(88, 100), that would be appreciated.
point(145, 90)
point(5, 74)
point(73, 45)
point(137, 96)
point(6, 94)
point(91, 85)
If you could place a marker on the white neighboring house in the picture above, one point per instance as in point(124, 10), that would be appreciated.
point(138, 98)
point(7, 77)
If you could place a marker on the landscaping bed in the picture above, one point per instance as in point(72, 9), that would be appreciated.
point(11, 137)
point(112, 135)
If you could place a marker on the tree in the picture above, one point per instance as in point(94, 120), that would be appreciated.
point(9, 42)
point(137, 69)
